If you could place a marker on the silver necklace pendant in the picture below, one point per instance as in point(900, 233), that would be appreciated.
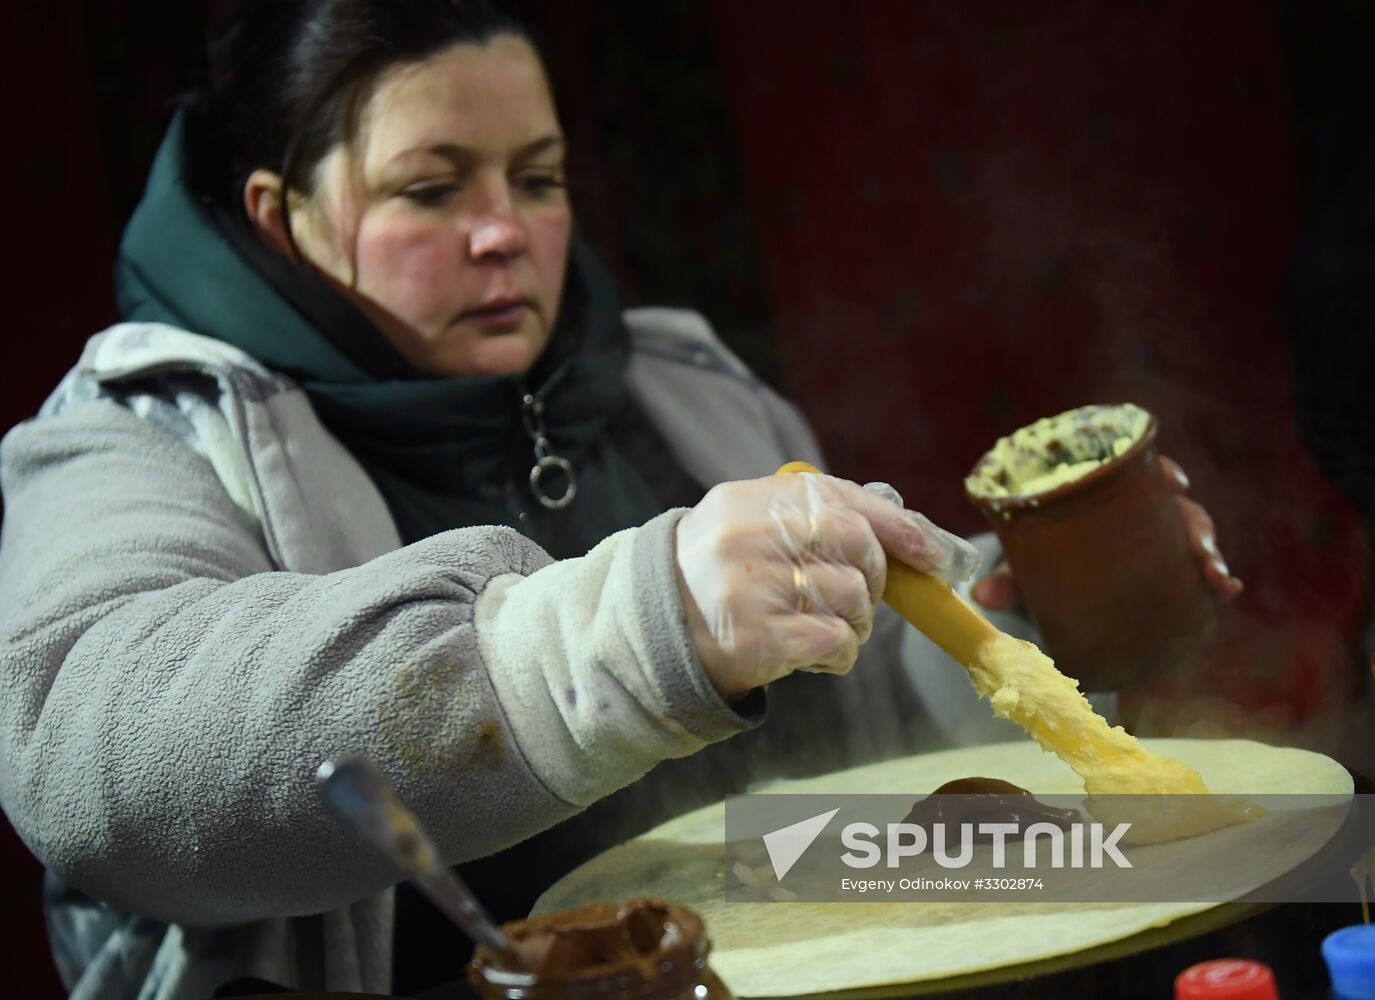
point(532, 414)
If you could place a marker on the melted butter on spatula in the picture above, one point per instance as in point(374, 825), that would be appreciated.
point(1023, 685)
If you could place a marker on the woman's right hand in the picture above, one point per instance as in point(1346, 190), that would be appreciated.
point(782, 573)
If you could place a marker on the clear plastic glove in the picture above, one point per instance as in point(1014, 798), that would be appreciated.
point(782, 573)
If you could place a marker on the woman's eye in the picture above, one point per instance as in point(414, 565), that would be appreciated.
point(429, 195)
point(541, 184)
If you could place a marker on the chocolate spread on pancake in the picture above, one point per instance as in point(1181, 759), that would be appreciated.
point(985, 800)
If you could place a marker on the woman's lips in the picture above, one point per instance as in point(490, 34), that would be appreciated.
point(499, 317)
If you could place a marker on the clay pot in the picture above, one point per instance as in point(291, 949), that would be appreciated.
point(1105, 567)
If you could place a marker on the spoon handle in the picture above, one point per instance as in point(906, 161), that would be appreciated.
point(362, 797)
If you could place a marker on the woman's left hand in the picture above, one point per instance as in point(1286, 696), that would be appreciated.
point(998, 590)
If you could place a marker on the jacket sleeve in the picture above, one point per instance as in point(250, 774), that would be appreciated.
point(169, 695)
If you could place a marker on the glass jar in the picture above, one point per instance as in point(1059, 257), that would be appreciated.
point(643, 948)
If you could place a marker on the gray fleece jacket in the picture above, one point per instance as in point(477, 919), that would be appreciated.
point(202, 597)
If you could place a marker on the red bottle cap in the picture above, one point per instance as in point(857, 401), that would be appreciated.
point(1226, 979)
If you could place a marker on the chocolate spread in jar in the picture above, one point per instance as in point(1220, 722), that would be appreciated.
point(985, 800)
point(644, 947)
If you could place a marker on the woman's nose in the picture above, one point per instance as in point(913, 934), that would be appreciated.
point(496, 232)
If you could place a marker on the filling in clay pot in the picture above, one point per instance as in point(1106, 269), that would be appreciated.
point(1057, 450)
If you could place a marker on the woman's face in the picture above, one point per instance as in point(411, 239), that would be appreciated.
point(447, 221)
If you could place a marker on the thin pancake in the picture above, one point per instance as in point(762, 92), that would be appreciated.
point(787, 949)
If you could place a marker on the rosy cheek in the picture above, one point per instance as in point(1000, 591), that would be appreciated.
point(410, 270)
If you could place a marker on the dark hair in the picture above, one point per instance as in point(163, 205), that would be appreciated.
point(286, 81)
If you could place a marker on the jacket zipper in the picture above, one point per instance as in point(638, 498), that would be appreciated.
point(532, 417)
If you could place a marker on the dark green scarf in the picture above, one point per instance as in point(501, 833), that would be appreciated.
point(445, 452)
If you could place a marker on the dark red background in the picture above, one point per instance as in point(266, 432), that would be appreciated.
point(930, 222)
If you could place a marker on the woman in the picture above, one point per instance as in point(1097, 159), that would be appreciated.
point(360, 319)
